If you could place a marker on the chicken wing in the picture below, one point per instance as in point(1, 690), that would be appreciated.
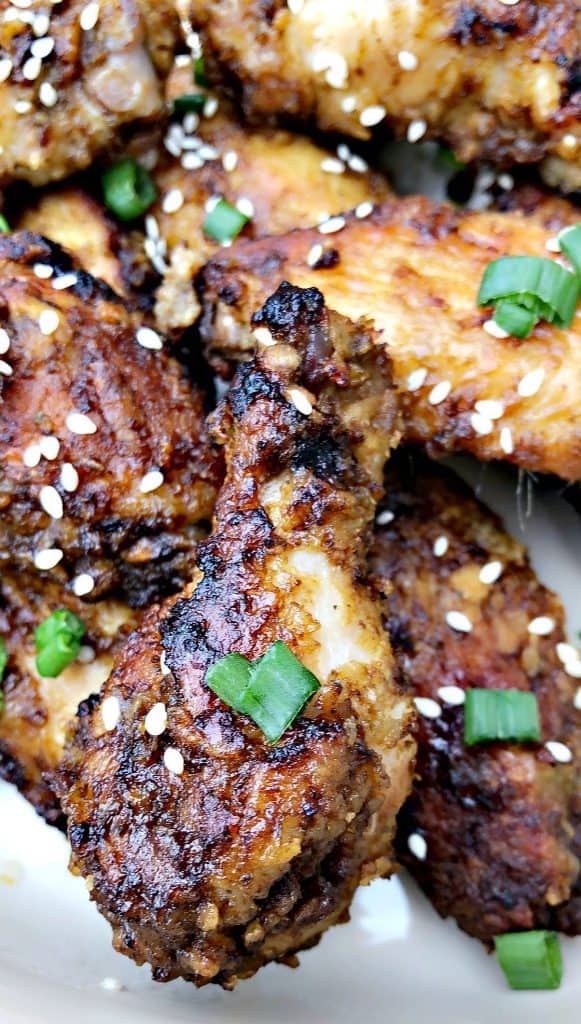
point(210, 850)
point(489, 830)
point(414, 266)
point(494, 81)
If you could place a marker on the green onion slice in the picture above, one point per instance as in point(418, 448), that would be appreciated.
point(200, 77)
point(533, 282)
point(515, 319)
point(189, 103)
point(491, 715)
point(229, 678)
point(530, 960)
point(57, 655)
point(60, 621)
point(570, 243)
point(224, 222)
point(128, 190)
point(4, 225)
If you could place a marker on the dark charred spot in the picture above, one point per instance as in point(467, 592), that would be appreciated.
point(249, 385)
point(324, 454)
point(471, 26)
point(87, 706)
point(330, 258)
point(291, 308)
point(574, 79)
point(79, 834)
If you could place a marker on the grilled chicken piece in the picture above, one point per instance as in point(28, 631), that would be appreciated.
point(414, 266)
point(493, 81)
point(488, 830)
point(35, 712)
point(104, 452)
point(210, 851)
point(61, 106)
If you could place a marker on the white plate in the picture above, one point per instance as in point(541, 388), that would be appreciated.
point(395, 962)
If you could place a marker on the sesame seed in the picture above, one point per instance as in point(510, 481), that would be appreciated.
point(208, 152)
point(506, 182)
point(173, 761)
point(47, 95)
point(51, 502)
point(300, 400)
point(48, 321)
point(458, 621)
point(331, 165)
point(49, 447)
point(439, 392)
point(506, 442)
point(69, 478)
point(491, 572)
point(48, 558)
point(481, 424)
point(416, 130)
point(64, 281)
point(148, 338)
point(5, 368)
point(407, 61)
point(230, 160)
point(190, 123)
point(314, 254)
point(151, 227)
point(337, 71)
point(553, 245)
point(210, 108)
point(384, 517)
point(5, 68)
point(490, 408)
point(78, 423)
point(452, 695)
point(364, 209)
point(509, 3)
point(577, 700)
point(42, 270)
point(531, 383)
point(31, 68)
point(83, 584)
point(427, 707)
point(331, 226)
point(263, 336)
point(566, 652)
point(245, 206)
point(151, 481)
point(165, 671)
point(32, 455)
point(89, 17)
point(559, 751)
point(573, 669)
point(40, 25)
point(86, 655)
point(112, 985)
point(371, 116)
point(441, 545)
point(173, 201)
point(569, 141)
point(4, 341)
point(295, 6)
point(416, 378)
point(541, 626)
point(42, 48)
point(156, 720)
point(418, 846)
point(191, 161)
point(21, 4)
point(348, 104)
point(110, 713)
point(22, 106)
point(494, 330)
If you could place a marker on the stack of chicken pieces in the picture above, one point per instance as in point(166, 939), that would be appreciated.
point(344, 322)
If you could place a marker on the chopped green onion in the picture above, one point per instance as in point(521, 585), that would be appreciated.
point(500, 715)
point(448, 158)
point(530, 960)
point(60, 652)
point(60, 621)
point(224, 222)
point(189, 103)
point(570, 243)
point(200, 77)
point(128, 190)
point(272, 691)
point(534, 282)
point(4, 225)
point(515, 319)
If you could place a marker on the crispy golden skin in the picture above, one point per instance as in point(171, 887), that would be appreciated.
point(414, 267)
point(145, 416)
point(498, 819)
point(494, 81)
point(253, 850)
point(57, 112)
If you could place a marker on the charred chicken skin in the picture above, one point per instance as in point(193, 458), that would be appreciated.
point(493, 81)
point(105, 458)
point(211, 851)
point(491, 832)
point(414, 267)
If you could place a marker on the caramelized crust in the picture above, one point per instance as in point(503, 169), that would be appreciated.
point(414, 267)
point(253, 850)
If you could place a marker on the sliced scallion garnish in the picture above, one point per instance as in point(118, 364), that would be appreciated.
point(570, 244)
point(128, 190)
point(515, 319)
point(224, 222)
point(4, 225)
point(200, 77)
point(228, 678)
point(189, 103)
point(58, 642)
point(530, 960)
point(60, 621)
point(503, 715)
point(540, 285)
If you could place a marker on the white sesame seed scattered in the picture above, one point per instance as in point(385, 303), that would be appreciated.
point(86, 655)
point(416, 130)
point(364, 209)
point(509, 3)
point(439, 392)
point(300, 400)
point(491, 572)
point(566, 652)
point(569, 141)
point(559, 751)
point(358, 164)
point(151, 227)
point(531, 383)
point(42, 270)
point(112, 985)
point(48, 321)
point(191, 161)
point(5, 369)
point(263, 336)
point(89, 17)
point(78, 423)
point(173, 201)
point(314, 254)
point(458, 621)
point(165, 671)
point(417, 846)
point(208, 152)
point(337, 72)
point(49, 447)
point(4, 341)
point(348, 104)
point(148, 338)
point(69, 478)
point(506, 442)
point(64, 281)
point(21, 4)
point(416, 379)
point(490, 408)
point(156, 720)
point(441, 545)
point(577, 700)
point(331, 165)
point(42, 48)
point(230, 160)
point(190, 123)
point(245, 206)
point(40, 25)
point(151, 481)
point(506, 182)
point(83, 584)
point(51, 502)
point(452, 695)
point(295, 6)
point(32, 456)
point(541, 626)
point(5, 68)
point(371, 116)
point(552, 245)
point(331, 226)
point(31, 68)
point(573, 669)
point(494, 330)
point(384, 518)
point(481, 424)
point(22, 106)
point(47, 558)
point(210, 108)
point(407, 61)
point(427, 707)
point(173, 761)
point(110, 713)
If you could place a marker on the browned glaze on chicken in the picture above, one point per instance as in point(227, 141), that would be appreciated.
point(495, 81)
point(489, 829)
point(104, 453)
point(414, 267)
point(211, 851)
